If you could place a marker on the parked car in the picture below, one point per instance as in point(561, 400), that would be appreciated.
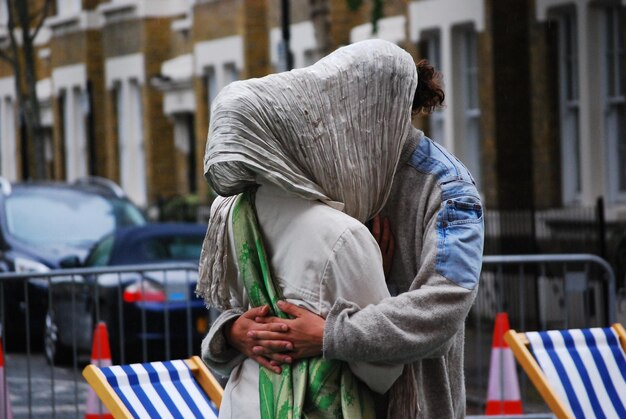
point(140, 308)
point(41, 225)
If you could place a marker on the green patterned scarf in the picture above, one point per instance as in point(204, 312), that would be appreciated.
point(309, 388)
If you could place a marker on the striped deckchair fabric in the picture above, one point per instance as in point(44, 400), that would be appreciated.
point(580, 373)
point(167, 389)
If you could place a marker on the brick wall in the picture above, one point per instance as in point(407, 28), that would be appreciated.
point(254, 28)
point(544, 116)
point(105, 162)
point(161, 168)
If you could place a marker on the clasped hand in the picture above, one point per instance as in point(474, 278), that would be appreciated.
point(273, 341)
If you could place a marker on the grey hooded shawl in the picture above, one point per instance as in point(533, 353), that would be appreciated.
point(331, 132)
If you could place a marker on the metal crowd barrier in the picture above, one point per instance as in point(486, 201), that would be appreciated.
point(48, 319)
point(536, 291)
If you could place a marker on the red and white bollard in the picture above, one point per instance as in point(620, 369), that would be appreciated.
point(101, 357)
point(503, 396)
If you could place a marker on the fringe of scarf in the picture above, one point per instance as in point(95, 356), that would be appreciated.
point(211, 284)
point(403, 402)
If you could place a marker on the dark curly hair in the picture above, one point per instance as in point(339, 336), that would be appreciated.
point(429, 92)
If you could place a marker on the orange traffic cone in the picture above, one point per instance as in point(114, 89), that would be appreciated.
point(101, 357)
point(503, 396)
point(5, 399)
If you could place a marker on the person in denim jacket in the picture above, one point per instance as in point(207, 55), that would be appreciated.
point(434, 222)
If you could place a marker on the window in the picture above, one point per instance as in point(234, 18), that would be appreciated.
point(101, 254)
point(136, 110)
point(137, 168)
point(569, 107)
point(130, 140)
point(432, 43)
point(74, 133)
point(172, 248)
point(48, 139)
point(71, 217)
point(614, 103)
point(68, 7)
point(471, 103)
point(4, 13)
point(121, 120)
point(2, 141)
point(231, 73)
point(184, 139)
point(3, 150)
point(211, 87)
point(8, 146)
point(309, 57)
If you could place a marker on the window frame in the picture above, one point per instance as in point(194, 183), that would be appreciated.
point(614, 101)
point(569, 106)
point(470, 108)
point(68, 7)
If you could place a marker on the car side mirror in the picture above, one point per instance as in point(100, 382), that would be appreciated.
point(71, 261)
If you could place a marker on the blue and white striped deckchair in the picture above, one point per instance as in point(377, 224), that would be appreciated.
point(580, 373)
point(167, 389)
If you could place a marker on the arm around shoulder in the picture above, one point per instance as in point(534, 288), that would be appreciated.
point(421, 322)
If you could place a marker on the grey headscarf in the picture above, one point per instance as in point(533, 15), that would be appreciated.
point(331, 132)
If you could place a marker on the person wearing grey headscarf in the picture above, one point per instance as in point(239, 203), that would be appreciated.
point(322, 145)
point(436, 217)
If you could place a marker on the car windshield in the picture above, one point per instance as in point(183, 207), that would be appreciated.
point(172, 248)
point(53, 216)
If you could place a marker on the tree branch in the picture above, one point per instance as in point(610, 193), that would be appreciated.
point(6, 57)
point(43, 14)
point(11, 27)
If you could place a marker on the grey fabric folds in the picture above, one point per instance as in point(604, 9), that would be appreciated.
point(332, 132)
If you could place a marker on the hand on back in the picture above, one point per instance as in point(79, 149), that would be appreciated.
point(381, 230)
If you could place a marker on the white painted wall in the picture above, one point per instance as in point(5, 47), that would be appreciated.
point(147, 8)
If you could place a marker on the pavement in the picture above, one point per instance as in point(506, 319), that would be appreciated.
point(39, 391)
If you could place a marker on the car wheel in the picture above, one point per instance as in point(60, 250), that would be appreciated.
point(56, 353)
point(15, 338)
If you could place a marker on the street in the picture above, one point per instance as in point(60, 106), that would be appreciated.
point(59, 392)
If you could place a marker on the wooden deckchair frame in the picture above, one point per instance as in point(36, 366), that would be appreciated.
point(111, 400)
point(519, 345)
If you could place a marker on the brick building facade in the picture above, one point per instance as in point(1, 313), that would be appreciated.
point(534, 88)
